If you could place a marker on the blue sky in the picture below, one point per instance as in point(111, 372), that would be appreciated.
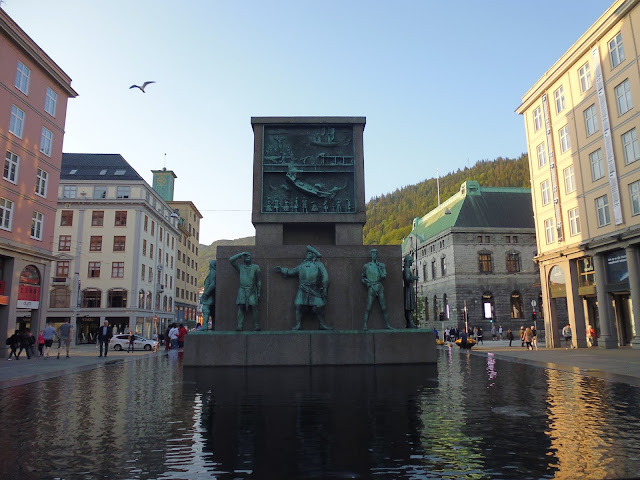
point(437, 81)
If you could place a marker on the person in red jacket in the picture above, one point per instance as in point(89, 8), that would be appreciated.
point(182, 332)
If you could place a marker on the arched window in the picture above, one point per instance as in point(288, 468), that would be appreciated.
point(141, 299)
point(157, 301)
point(426, 308)
point(91, 298)
point(117, 298)
point(436, 311)
point(164, 303)
point(516, 305)
point(60, 297)
point(148, 301)
point(170, 304)
point(488, 305)
point(445, 305)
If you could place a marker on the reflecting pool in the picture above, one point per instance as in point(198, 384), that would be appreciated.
point(469, 416)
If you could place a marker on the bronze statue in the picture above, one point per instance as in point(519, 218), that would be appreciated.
point(312, 289)
point(372, 275)
point(249, 291)
point(208, 298)
point(409, 293)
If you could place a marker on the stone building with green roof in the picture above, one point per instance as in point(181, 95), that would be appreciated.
point(475, 251)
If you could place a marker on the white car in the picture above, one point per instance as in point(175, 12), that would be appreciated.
point(121, 342)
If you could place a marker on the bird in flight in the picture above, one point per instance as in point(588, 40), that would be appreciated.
point(144, 85)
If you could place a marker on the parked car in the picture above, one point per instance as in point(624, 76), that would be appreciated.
point(121, 342)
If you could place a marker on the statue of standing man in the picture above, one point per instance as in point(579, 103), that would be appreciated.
point(409, 292)
point(312, 289)
point(372, 275)
point(208, 298)
point(249, 291)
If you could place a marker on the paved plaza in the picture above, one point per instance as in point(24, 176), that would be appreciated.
point(621, 364)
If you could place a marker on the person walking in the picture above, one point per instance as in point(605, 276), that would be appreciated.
point(480, 335)
point(104, 337)
point(41, 343)
point(14, 342)
point(534, 338)
point(173, 336)
point(510, 336)
point(64, 333)
point(527, 336)
point(24, 344)
point(522, 336)
point(500, 332)
point(132, 339)
point(493, 332)
point(182, 332)
point(566, 333)
point(48, 333)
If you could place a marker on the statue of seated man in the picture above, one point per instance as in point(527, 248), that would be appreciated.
point(312, 288)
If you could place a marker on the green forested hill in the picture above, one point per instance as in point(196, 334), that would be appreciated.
point(390, 217)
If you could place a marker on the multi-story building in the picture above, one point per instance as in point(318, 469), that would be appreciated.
point(33, 107)
point(115, 243)
point(186, 293)
point(582, 119)
point(474, 260)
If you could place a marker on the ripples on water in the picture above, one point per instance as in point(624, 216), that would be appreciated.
point(469, 417)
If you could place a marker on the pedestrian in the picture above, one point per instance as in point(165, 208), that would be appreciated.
point(493, 332)
point(173, 336)
point(591, 336)
point(64, 334)
point(132, 339)
point(534, 338)
point(522, 336)
point(24, 344)
point(14, 342)
point(41, 343)
point(48, 333)
point(182, 332)
point(104, 337)
point(167, 338)
point(566, 333)
point(528, 335)
point(32, 342)
point(510, 336)
point(500, 332)
point(480, 335)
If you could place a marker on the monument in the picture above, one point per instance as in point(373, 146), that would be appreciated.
point(309, 203)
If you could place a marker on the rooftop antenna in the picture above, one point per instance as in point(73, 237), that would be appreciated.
point(165, 161)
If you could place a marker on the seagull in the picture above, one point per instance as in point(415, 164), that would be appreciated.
point(144, 85)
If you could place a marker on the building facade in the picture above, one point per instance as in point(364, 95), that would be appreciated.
point(33, 106)
point(582, 120)
point(474, 260)
point(115, 247)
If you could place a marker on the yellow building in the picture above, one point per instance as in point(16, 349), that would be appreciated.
point(582, 119)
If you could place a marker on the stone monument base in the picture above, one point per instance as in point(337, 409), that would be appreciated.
point(310, 348)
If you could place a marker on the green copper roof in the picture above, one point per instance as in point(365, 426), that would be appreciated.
point(477, 207)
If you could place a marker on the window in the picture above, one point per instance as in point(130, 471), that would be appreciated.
point(150, 276)
point(11, 163)
point(41, 183)
point(117, 270)
point(549, 231)
point(91, 298)
point(16, 124)
point(66, 218)
point(46, 141)
point(119, 243)
point(569, 179)
point(95, 243)
point(484, 263)
point(94, 270)
point(123, 191)
point(6, 214)
point(585, 77)
point(597, 170)
point(97, 218)
point(151, 251)
point(69, 191)
point(602, 210)
point(513, 262)
point(623, 97)
point(574, 222)
point(153, 227)
point(565, 142)
point(542, 157)
point(537, 119)
point(591, 120)
point(433, 270)
point(64, 243)
point(37, 219)
point(630, 146)
point(443, 266)
point(559, 96)
point(487, 239)
point(142, 272)
point(146, 223)
point(60, 297)
point(50, 102)
point(144, 247)
point(514, 238)
point(100, 192)
point(117, 298)
point(516, 305)
point(62, 269)
point(121, 218)
point(616, 51)
point(479, 239)
point(634, 194)
point(22, 78)
point(546, 192)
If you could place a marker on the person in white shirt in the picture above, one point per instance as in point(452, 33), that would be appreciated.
point(173, 336)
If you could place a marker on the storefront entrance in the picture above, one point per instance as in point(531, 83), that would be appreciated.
point(622, 309)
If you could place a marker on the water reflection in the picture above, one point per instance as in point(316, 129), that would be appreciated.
point(468, 417)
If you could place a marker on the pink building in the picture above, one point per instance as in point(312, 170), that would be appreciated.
point(33, 107)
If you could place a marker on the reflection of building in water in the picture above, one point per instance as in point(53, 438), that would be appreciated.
point(586, 186)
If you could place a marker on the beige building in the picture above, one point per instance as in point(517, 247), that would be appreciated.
point(33, 107)
point(582, 120)
point(115, 244)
